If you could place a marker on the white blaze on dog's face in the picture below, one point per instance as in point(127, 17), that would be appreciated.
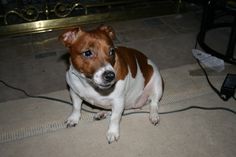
point(92, 54)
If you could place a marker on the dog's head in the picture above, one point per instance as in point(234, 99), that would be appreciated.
point(92, 54)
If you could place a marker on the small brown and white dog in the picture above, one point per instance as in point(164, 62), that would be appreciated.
point(115, 78)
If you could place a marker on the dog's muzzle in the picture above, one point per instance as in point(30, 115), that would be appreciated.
point(108, 78)
point(104, 77)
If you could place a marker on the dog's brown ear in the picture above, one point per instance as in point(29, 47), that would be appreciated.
point(70, 36)
point(109, 30)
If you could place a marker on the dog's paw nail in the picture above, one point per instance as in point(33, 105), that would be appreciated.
point(70, 125)
point(96, 118)
point(74, 125)
point(72, 121)
point(154, 119)
point(101, 115)
point(112, 136)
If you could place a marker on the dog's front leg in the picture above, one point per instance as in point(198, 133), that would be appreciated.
point(113, 132)
point(74, 118)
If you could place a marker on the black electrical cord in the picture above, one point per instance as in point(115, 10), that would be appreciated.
point(125, 114)
point(185, 109)
point(40, 97)
point(208, 80)
point(211, 85)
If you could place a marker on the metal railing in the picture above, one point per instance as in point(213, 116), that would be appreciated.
point(32, 16)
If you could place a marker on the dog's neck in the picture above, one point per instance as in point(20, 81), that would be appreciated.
point(79, 75)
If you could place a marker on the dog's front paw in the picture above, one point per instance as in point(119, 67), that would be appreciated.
point(72, 120)
point(112, 135)
point(154, 118)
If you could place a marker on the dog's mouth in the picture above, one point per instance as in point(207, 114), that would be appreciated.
point(103, 89)
point(103, 85)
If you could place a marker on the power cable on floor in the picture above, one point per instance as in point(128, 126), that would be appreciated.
point(208, 80)
point(40, 97)
point(125, 114)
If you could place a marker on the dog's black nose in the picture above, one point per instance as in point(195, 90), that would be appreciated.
point(108, 76)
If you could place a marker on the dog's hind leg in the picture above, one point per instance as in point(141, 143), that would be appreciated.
point(153, 116)
point(154, 99)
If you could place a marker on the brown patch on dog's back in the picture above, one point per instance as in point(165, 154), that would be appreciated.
point(127, 57)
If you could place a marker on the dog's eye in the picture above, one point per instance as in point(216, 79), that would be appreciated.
point(112, 52)
point(87, 54)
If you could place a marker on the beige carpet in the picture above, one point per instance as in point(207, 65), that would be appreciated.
point(34, 127)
